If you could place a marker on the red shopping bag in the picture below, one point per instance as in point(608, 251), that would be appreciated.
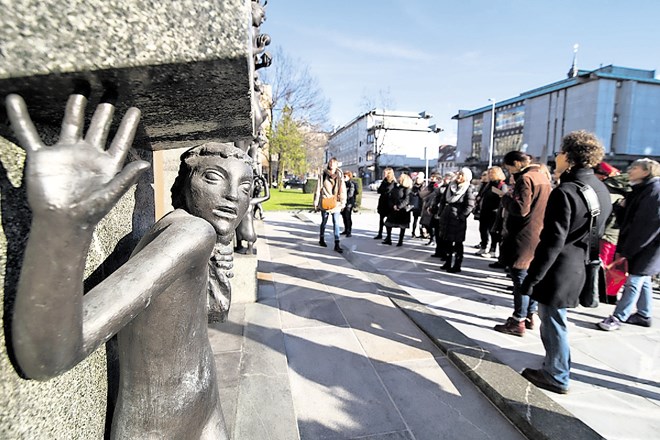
point(616, 274)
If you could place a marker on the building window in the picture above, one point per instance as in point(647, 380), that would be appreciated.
point(478, 126)
point(509, 142)
point(476, 149)
point(370, 138)
point(370, 155)
point(510, 118)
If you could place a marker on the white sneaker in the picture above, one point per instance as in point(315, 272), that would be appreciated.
point(610, 323)
point(481, 251)
point(486, 255)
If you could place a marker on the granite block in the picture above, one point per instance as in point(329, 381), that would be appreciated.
point(187, 65)
point(244, 281)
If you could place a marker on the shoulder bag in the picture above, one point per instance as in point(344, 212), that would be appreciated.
point(330, 203)
point(594, 285)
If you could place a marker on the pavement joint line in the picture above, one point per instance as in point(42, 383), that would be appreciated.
point(536, 415)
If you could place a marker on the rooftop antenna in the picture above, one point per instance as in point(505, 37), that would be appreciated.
point(574, 70)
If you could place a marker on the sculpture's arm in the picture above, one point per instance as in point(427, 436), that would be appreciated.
point(159, 264)
point(266, 195)
point(70, 187)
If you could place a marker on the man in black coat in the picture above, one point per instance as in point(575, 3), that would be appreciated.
point(639, 245)
point(557, 272)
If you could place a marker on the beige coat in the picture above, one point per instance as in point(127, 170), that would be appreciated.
point(325, 187)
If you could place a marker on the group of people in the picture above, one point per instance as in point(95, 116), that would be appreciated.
point(544, 229)
point(440, 209)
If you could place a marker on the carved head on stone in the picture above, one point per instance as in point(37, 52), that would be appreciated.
point(214, 183)
point(258, 13)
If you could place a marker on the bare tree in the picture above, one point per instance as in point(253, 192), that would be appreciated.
point(296, 88)
point(382, 99)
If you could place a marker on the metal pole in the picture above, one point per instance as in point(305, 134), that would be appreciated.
point(491, 147)
point(426, 159)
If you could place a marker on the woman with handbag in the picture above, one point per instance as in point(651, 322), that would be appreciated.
point(556, 275)
point(638, 245)
point(330, 198)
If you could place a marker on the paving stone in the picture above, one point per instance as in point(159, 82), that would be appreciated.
point(335, 388)
point(440, 393)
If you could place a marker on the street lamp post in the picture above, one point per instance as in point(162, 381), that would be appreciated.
point(426, 161)
point(491, 147)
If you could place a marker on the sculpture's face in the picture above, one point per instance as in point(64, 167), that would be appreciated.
point(219, 192)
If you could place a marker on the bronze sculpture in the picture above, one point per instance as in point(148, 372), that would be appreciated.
point(157, 301)
point(245, 230)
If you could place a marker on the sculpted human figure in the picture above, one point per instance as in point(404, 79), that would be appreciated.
point(156, 302)
point(245, 230)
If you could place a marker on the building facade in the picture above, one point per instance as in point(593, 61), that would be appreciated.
point(620, 105)
point(384, 138)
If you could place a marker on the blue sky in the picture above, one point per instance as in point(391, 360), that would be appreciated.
point(442, 56)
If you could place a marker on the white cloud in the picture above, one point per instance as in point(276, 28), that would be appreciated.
point(374, 47)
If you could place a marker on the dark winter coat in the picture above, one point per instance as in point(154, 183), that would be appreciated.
point(452, 222)
point(639, 235)
point(416, 199)
point(525, 207)
point(490, 201)
point(428, 198)
point(399, 217)
point(351, 193)
point(557, 273)
point(384, 200)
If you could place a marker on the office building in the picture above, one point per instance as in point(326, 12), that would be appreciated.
point(620, 105)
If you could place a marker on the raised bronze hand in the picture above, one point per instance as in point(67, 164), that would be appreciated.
point(76, 180)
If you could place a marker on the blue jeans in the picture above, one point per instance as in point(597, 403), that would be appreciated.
point(637, 290)
point(335, 223)
point(554, 335)
point(523, 305)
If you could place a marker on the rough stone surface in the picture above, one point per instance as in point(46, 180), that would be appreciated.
point(186, 65)
point(72, 406)
point(244, 282)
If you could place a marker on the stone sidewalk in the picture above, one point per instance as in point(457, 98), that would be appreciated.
point(615, 376)
point(325, 354)
point(328, 351)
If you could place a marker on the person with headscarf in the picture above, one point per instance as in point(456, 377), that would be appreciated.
point(456, 204)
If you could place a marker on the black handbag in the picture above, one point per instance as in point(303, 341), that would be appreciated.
point(594, 284)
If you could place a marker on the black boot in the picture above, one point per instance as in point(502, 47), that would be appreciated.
point(447, 264)
point(401, 234)
point(456, 268)
point(388, 239)
point(322, 242)
point(337, 247)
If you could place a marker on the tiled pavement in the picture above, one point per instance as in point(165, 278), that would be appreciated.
point(325, 354)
